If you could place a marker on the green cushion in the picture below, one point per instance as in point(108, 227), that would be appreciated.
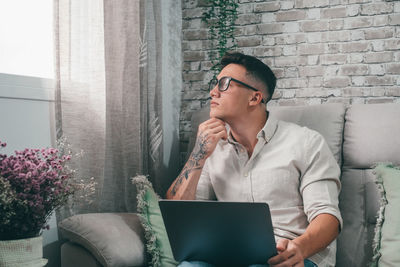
point(387, 232)
point(149, 212)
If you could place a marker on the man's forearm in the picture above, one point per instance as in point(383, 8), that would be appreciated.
point(185, 185)
point(319, 234)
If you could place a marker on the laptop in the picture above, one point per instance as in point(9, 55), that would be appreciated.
point(220, 233)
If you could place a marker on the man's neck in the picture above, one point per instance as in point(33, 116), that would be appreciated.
point(245, 130)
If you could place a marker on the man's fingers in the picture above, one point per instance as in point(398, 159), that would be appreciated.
point(281, 257)
point(282, 244)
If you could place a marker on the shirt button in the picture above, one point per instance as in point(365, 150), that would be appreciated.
point(246, 174)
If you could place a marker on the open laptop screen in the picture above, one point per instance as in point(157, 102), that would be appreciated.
point(221, 233)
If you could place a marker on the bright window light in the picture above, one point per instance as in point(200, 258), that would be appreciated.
point(26, 38)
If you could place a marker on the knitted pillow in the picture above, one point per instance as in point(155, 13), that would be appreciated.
point(157, 242)
point(387, 231)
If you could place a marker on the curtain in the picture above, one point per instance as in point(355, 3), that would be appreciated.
point(108, 95)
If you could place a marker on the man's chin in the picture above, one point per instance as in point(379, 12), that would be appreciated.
point(214, 114)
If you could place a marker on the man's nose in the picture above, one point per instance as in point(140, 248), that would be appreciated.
point(214, 92)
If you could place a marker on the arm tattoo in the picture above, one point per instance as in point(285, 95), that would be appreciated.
point(192, 164)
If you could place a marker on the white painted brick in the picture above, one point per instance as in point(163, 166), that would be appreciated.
point(357, 35)
point(394, 19)
point(290, 50)
point(314, 37)
point(338, 36)
point(354, 47)
point(291, 72)
point(287, 4)
point(353, 70)
point(314, 13)
point(311, 3)
point(291, 27)
point(353, 10)
point(268, 40)
point(312, 26)
point(377, 8)
point(291, 15)
point(381, 20)
point(312, 60)
point(332, 70)
point(288, 93)
point(333, 59)
point(378, 46)
point(397, 7)
point(378, 33)
point(291, 38)
point(357, 100)
point(311, 49)
point(336, 24)
point(396, 56)
point(333, 48)
point(358, 80)
point(313, 101)
point(268, 17)
point(393, 44)
point(331, 13)
point(336, 82)
point(315, 82)
point(293, 83)
point(358, 22)
point(376, 69)
point(379, 80)
point(356, 58)
point(310, 71)
point(378, 57)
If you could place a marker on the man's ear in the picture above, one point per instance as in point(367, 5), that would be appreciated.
point(256, 99)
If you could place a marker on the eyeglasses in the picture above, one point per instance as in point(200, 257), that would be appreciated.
point(224, 82)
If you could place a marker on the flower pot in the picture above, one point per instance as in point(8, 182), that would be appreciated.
point(22, 253)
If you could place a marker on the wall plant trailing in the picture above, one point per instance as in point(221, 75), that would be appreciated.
point(220, 19)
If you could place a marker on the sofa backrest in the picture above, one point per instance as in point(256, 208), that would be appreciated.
point(371, 135)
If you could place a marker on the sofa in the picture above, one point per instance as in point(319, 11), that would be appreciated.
point(358, 135)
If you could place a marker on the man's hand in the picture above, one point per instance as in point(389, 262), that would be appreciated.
point(185, 185)
point(289, 254)
point(208, 135)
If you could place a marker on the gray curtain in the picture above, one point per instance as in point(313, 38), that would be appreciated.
point(108, 96)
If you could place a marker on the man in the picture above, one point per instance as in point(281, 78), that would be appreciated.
point(243, 154)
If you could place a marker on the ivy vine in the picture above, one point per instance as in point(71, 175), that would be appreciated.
point(220, 19)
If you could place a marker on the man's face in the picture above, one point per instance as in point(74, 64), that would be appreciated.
point(232, 103)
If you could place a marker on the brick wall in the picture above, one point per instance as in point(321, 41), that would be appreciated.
point(321, 51)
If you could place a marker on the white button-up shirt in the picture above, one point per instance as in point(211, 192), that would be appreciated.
point(291, 168)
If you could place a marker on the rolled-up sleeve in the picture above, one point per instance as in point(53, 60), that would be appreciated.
point(320, 183)
point(205, 190)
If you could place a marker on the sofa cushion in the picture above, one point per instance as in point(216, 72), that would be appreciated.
point(114, 239)
point(359, 204)
point(371, 135)
point(157, 242)
point(387, 234)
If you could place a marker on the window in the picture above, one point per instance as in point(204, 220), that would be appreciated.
point(26, 38)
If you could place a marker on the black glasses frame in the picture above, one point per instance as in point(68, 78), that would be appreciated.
point(219, 83)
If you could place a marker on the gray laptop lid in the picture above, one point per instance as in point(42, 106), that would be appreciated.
point(221, 233)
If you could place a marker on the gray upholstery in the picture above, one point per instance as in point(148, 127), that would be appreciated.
point(359, 136)
point(371, 135)
point(114, 239)
point(73, 254)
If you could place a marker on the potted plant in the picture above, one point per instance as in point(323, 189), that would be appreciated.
point(33, 183)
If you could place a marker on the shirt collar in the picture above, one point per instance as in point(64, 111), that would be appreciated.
point(266, 133)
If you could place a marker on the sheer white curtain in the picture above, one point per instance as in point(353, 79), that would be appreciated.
point(108, 99)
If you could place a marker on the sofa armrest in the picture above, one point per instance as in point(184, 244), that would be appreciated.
point(114, 239)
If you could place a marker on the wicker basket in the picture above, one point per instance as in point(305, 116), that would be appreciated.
point(22, 253)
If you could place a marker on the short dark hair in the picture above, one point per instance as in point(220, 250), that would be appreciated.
point(255, 68)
